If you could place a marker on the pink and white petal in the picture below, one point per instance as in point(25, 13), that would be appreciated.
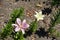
point(25, 25)
point(24, 21)
point(23, 31)
point(18, 21)
point(15, 25)
point(17, 29)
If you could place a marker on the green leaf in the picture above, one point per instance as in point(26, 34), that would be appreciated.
point(33, 26)
point(17, 13)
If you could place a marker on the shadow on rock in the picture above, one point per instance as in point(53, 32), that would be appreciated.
point(28, 33)
point(46, 11)
point(41, 32)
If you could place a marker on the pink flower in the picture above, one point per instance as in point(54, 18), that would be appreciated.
point(20, 26)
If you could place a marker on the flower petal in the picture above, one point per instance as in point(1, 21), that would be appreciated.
point(36, 12)
point(40, 12)
point(17, 29)
point(18, 21)
point(25, 25)
point(24, 21)
point(23, 31)
point(15, 25)
point(43, 16)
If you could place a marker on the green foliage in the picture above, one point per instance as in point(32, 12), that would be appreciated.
point(18, 36)
point(8, 29)
point(17, 13)
point(58, 34)
point(33, 26)
point(52, 30)
point(54, 22)
point(56, 18)
point(55, 2)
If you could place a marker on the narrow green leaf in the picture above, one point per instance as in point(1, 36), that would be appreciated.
point(33, 26)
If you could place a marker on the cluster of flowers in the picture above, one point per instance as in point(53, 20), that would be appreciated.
point(23, 25)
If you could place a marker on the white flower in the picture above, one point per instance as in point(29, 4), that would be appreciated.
point(39, 15)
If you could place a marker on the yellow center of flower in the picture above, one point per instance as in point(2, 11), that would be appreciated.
point(20, 25)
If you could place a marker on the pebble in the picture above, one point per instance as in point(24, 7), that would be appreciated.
point(39, 5)
point(1, 15)
point(10, 8)
point(15, 3)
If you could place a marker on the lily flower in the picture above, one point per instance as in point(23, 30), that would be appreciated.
point(20, 26)
point(39, 15)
